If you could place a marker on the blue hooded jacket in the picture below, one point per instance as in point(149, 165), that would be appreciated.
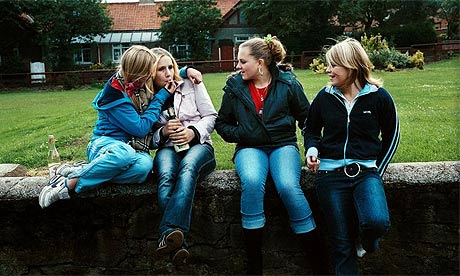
point(117, 116)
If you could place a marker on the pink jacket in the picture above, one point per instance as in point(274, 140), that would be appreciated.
point(193, 106)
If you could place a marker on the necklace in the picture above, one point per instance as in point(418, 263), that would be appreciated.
point(262, 92)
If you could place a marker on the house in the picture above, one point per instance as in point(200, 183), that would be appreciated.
point(137, 22)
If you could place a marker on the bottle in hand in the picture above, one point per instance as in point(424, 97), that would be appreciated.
point(177, 148)
point(54, 160)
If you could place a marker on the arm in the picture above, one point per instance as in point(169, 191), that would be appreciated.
point(189, 72)
point(126, 117)
point(312, 135)
point(208, 113)
point(226, 123)
point(299, 104)
point(389, 125)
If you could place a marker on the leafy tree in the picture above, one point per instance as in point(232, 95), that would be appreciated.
point(300, 25)
point(410, 22)
point(59, 21)
point(190, 22)
point(365, 12)
point(450, 9)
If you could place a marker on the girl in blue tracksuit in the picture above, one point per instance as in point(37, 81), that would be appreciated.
point(353, 127)
point(126, 109)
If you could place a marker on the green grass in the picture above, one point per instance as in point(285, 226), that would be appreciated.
point(428, 103)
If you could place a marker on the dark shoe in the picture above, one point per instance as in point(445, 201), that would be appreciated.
point(253, 239)
point(180, 257)
point(317, 253)
point(170, 242)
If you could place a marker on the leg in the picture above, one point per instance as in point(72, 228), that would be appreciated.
point(198, 162)
point(166, 166)
point(372, 209)
point(138, 171)
point(252, 167)
point(285, 169)
point(335, 195)
point(253, 239)
point(108, 159)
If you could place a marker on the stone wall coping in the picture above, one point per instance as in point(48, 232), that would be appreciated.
point(398, 175)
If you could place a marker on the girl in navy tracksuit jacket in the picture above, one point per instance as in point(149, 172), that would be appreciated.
point(353, 127)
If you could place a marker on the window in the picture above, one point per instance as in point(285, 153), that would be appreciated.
point(82, 56)
point(118, 50)
point(240, 38)
point(180, 51)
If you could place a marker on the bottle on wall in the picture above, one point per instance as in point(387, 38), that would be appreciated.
point(54, 160)
point(177, 148)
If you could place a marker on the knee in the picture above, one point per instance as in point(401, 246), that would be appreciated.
point(377, 225)
point(124, 155)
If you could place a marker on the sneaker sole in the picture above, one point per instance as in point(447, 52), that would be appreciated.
point(181, 256)
point(41, 197)
point(174, 240)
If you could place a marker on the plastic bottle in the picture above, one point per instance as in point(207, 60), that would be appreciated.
point(54, 160)
point(177, 148)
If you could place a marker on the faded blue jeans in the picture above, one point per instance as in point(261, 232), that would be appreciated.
point(353, 207)
point(178, 174)
point(284, 166)
point(112, 160)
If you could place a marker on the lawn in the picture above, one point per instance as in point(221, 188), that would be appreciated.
point(428, 103)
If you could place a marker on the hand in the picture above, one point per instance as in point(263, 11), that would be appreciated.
point(178, 134)
point(171, 86)
point(194, 75)
point(312, 163)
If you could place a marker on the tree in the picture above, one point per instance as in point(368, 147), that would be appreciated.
point(191, 23)
point(364, 12)
point(299, 25)
point(450, 9)
point(17, 32)
point(59, 21)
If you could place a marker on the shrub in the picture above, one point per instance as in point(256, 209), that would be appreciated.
point(318, 65)
point(381, 58)
point(381, 55)
point(417, 60)
point(97, 66)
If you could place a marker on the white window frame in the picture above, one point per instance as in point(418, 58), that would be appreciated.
point(83, 56)
point(240, 38)
point(119, 49)
point(182, 51)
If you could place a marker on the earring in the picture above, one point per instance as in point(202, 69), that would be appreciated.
point(260, 71)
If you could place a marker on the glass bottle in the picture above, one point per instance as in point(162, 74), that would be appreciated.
point(177, 148)
point(54, 160)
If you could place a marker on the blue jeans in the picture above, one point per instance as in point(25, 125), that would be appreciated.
point(352, 207)
point(112, 160)
point(284, 166)
point(178, 174)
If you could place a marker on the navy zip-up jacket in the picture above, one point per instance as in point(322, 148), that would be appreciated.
point(238, 120)
point(368, 133)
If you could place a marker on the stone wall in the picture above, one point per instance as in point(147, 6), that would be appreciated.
point(113, 230)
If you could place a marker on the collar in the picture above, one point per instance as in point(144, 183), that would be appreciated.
point(368, 88)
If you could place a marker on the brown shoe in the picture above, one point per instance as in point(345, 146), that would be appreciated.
point(180, 257)
point(170, 242)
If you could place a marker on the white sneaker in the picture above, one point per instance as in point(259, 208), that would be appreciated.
point(54, 191)
point(68, 168)
point(360, 252)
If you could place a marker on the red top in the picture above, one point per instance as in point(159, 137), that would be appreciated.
point(258, 96)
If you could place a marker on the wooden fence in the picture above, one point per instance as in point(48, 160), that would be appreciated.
point(432, 52)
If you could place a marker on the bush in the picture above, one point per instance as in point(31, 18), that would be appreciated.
point(417, 60)
point(381, 55)
point(97, 66)
point(318, 65)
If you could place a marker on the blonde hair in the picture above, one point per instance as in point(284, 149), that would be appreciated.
point(350, 54)
point(136, 63)
point(269, 49)
point(160, 52)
